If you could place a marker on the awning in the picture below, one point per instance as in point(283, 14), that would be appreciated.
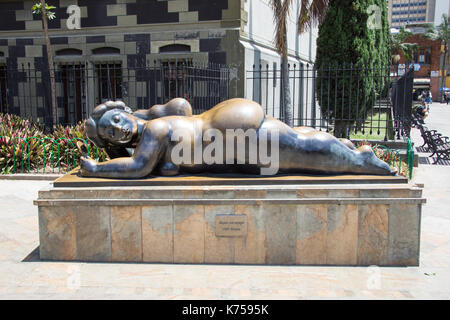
point(421, 83)
point(421, 80)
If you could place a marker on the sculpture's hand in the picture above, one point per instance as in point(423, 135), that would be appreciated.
point(117, 104)
point(88, 166)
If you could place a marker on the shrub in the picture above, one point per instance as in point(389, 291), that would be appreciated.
point(19, 143)
point(66, 137)
point(344, 40)
point(24, 147)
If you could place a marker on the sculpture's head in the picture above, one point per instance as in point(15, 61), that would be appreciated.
point(111, 123)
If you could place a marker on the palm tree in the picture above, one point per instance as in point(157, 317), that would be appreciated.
point(442, 33)
point(399, 46)
point(46, 13)
point(311, 13)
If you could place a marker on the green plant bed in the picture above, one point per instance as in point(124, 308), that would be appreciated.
point(24, 147)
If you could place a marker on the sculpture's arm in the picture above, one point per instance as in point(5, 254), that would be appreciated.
point(152, 145)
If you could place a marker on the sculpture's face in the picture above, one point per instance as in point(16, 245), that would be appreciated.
point(117, 127)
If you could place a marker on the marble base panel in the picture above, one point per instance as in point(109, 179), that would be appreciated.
point(355, 224)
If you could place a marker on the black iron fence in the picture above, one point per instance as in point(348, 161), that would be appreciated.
point(401, 99)
point(79, 87)
point(353, 101)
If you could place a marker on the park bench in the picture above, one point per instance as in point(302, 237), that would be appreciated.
point(435, 143)
point(441, 148)
point(428, 136)
point(416, 120)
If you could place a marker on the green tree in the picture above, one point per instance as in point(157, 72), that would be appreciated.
point(311, 12)
point(352, 61)
point(441, 33)
point(46, 12)
point(399, 46)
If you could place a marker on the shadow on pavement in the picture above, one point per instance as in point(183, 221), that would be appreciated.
point(33, 256)
point(430, 161)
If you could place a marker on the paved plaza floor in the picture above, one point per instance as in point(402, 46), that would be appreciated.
point(23, 276)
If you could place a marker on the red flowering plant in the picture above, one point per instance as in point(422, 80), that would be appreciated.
point(24, 147)
point(64, 144)
point(19, 144)
point(390, 156)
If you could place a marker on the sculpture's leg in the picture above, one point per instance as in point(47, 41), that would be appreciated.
point(322, 152)
point(305, 130)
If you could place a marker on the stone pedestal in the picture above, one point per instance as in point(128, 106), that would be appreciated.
point(286, 220)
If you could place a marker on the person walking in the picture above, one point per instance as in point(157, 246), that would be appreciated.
point(427, 99)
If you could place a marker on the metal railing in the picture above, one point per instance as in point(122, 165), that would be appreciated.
point(410, 158)
point(43, 154)
point(80, 86)
point(353, 101)
point(63, 155)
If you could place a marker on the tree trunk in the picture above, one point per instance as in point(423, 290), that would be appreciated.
point(287, 110)
point(342, 128)
point(50, 63)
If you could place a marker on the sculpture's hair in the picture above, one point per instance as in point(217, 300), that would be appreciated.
point(97, 113)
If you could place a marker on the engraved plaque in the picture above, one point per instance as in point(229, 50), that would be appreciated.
point(231, 225)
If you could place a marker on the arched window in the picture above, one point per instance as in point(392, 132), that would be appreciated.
point(106, 51)
point(171, 48)
point(69, 52)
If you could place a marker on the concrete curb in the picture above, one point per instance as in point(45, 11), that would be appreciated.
point(31, 176)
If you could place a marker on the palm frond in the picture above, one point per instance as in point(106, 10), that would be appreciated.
point(280, 16)
point(311, 14)
point(431, 34)
point(407, 49)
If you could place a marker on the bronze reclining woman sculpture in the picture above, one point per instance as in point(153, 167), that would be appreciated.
point(175, 107)
point(114, 127)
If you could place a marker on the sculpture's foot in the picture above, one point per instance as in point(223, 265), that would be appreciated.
point(394, 171)
point(169, 169)
point(373, 165)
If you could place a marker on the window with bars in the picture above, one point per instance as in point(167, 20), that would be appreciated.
point(109, 81)
point(73, 78)
point(422, 56)
point(176, 79)
point(3, 88)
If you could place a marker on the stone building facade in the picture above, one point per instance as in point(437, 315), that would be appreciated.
point(134, 34)
point(427, 55)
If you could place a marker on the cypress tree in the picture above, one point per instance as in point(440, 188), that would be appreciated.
point(346, 41)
